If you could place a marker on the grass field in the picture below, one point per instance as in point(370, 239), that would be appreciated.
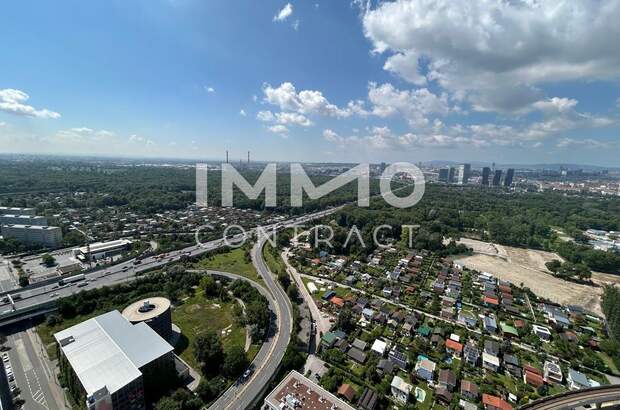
point(199, 314)
point(233, 261)
point(274, 261)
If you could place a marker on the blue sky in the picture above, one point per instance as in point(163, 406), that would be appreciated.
point(409, 80)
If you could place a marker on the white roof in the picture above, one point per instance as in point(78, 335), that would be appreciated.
point(104, 246)
point(379, 346)
point(400, 384)
point(109, 351)
point(489, 358)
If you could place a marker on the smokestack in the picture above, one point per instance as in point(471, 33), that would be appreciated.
point(227, 156)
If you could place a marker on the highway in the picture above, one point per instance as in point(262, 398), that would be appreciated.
point(28, 298)
point(605, 396)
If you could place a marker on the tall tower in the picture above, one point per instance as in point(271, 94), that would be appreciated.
point(227, 156)
point(248, 158)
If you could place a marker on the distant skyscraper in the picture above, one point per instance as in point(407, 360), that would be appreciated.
point(464, 172)
point(510, 173)
point(497, 177)
point(443, 174)
point(451, 174)
point(486, 173)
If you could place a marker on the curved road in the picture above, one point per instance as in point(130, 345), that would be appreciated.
point(268, 359)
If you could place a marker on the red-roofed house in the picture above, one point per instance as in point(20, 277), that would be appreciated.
point(494, 403)
point(489, 301)
point(533, 379)
point(454, 348)
point(347, 392)
point(337, 301)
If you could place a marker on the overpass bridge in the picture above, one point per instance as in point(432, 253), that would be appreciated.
point(602, 397)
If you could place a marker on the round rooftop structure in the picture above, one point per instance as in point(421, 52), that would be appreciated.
point(155, 312)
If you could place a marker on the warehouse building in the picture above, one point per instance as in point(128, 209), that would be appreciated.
point(155, 312)
point(101, 250)
point(48, 236)
point(9, 219)
point(111, 364)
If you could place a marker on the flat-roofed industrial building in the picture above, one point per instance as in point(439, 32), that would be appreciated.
point(110, 363)
point(101, 250)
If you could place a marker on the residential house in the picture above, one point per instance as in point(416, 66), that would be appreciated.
point(425, 368)
point(468, 319)
point(454, 348)
point(400, 389)
point(347, 392)
point(447, 379)
point(379, 347)
point(533, 378)
point(368, 314)
point(359, 344)
point(471, 353)
point(469, 390)
point(385, 366)
point(577, 380)
point(552, 372)
point(398, 357)
point(490, 362)
point(490, 324)
point(491, 402)
point(542, 332)
point(443, 395)
point(491, 347)
point(368, 400)
point(357, 355)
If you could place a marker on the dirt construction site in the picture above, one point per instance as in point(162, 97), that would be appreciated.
point(527, 267)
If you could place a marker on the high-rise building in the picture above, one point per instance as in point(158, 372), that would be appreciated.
point(22, 220)
point(7, 210)
point(464, 173)
point(510, 173)
point(451, 174)
point(49, 236)
point(497, 177)
point(444, 174)
point(486, 173)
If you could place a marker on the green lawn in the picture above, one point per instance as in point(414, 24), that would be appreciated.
point(198, 314)
point(233, 261)
point(274, 261)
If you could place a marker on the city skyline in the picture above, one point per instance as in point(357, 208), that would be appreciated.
point(314, 82)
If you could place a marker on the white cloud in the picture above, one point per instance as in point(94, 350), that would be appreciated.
point(295, 25)
point(265, 116)
point(13, 101)
point(278, 129)
point(82, 135)
point(293, 118)
point(209, 89)
point(2, 123)
point(414, 105)
point(284, 13)
point(242, 113)
point(138, 139)
point(587, 143)
point(286, 97)
point(495, 54)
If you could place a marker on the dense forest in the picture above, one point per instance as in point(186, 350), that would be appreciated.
point(144, 189)
point(516, 219)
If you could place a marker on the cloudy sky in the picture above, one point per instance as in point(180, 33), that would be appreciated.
point(411, 80)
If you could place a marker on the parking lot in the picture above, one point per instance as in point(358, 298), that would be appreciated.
point(30, 377)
